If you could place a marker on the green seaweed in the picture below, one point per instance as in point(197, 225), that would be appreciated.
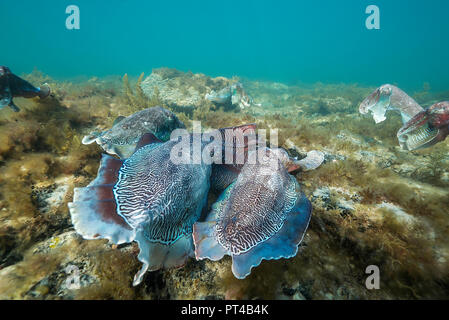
point(40, 146)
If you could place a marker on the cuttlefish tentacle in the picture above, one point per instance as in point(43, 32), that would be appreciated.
point(421, 128)
point(426, 129)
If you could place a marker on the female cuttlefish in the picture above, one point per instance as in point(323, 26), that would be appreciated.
point(421, 128)
point(262, 215)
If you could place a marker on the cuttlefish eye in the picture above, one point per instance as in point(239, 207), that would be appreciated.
point(439, 114)
point(386, 91)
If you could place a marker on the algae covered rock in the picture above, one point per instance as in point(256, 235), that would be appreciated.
point(179, 90)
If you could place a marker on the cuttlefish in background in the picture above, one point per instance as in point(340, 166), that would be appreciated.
point(421, 128)
point(262, 215)
point(233, 94)
point(12, 86)
point(426, 128)
point(147, 198)
point(122, 138)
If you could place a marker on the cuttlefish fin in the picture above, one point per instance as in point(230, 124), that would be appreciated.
point(155, 255)
point(206, 244)
point(284, 244)
point(94, 210)
point(117, 120)
point(204, 237)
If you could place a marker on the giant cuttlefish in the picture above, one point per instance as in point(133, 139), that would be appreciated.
point(148, 198)
point(233, 94)
point(12, 86)
point(421, 128)
point(122, 138)
point(225, 174)
point(426, 128)
point(262, 215)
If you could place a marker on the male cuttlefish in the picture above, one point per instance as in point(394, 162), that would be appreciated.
point(421, 128)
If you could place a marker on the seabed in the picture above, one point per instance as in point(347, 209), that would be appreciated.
point(373, 203)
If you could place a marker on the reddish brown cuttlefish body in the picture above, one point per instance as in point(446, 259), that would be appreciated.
point(426, 128)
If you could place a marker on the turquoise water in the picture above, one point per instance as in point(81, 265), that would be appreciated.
point(288, 41)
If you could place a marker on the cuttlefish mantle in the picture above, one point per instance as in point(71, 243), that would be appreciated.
point(388, 97)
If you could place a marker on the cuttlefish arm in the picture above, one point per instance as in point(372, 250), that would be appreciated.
point(426, 128)
point(312, 161)
point(388, 97)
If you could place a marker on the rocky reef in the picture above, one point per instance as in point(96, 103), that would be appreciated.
point(181, 91)
point(373, 203)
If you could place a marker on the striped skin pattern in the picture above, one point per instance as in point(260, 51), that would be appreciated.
point(256, 206)
point(163, 198)
point(238, 142)
point(145, 198)
point(149, 199)
point(263, 215)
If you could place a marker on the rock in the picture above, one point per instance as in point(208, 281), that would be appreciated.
point(399, 213)
point(48, 197)
point(179, 90)
point(330, 201)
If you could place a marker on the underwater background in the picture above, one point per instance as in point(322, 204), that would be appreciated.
point(288, 41)
point(307, 65)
